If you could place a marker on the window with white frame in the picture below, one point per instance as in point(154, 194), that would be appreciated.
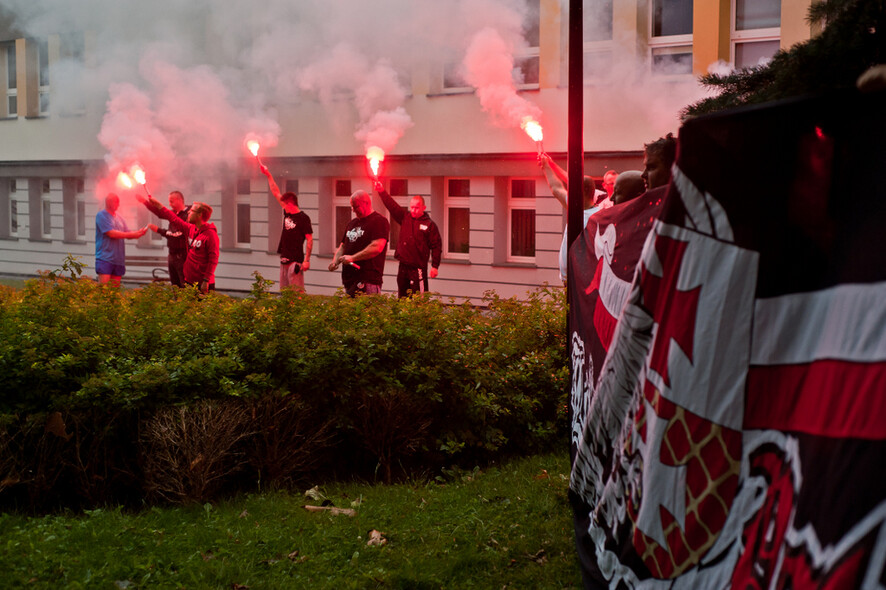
point(243, 214)
point(526, 61)
point(13, 216)
point(457, 218)
point(597, 40)
point(521, 220)
point(670, 37)
point(342, 202)
point(9, 109)
point(756, 31)
point(43, 76)
point(46, 210)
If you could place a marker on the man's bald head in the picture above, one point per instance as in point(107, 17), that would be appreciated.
point(629, 185)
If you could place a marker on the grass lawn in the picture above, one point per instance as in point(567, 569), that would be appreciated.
point(506, 526)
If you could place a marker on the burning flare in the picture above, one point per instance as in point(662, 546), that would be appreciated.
point(532, 129)
point(253, 146)
point(375, 155)
point(138, 174)
point(124, 180)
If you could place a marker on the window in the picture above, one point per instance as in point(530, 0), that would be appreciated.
point(343, 188)
point(399, 187)
point(243, 186)
point(526, 61)
point(670, 38)
point(46, 217)
point(342, 202)
point(13, 216)
point(521, 221)
point(342, 218)
point(244, 230)
point(9, 108)
point(453, 80)
point(457, 219)
point(43, 76)
point(81, 217)
point(291, 186)
point(756, 31)
point(596, 18)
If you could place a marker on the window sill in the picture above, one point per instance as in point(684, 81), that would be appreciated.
point(514, 265)
point(238, 249)
point(78, 242)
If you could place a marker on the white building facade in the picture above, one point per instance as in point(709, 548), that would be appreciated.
point(501, 228)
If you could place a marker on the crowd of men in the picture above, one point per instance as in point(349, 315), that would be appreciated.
point(193, 242)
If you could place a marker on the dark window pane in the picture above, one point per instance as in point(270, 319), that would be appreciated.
point(81, 185)
point(81, 218)
point(672, 63)
point(243, 186)
point(757, 14)
point(597, 17)
point(459, 187)
point(13, 216)
point(291, 186)
point(528, 67)
point(10, 66)
point(45, 185)
point(243, 223)
point(342, 217)
point(399, 187)
point(754, 53)
point(452, 77)
point(523, 189)
point(671, 17)
point(43, 52)
point(47, 218)
point(531, 25)
point(522, 232)
point(394, 237)
point(343, 188)
point(459, 230)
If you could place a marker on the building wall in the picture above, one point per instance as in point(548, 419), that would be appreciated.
point(451, 138)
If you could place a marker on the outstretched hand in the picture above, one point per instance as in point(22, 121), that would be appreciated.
point(377, 185)
point(141, 198)
point(153, 227)
point(264, 169)
point(543, 158)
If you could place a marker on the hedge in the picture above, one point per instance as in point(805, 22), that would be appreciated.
point(108, 395)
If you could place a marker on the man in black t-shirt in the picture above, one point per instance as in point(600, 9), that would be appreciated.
point(362, 248)
point(296, 238)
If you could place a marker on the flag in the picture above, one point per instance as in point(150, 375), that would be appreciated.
point(728, 399)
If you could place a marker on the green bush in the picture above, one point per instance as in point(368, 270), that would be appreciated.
point(391, 387)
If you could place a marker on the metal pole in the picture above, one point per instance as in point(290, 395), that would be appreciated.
point(575, 147)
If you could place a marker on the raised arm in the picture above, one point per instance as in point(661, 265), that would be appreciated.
point(556, 178)
point(272, 184)
point(397, 212)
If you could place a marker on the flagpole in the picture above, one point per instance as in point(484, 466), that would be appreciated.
point(575, 153)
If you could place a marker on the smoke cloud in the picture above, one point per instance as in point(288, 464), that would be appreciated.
point(186, 82)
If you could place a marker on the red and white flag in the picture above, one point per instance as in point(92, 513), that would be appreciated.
point(729, 360)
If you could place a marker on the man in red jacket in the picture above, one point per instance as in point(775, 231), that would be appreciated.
point(203, 245)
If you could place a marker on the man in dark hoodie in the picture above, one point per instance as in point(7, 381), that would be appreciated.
point(176, 239)
point(419, 241)
point(203, 246)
